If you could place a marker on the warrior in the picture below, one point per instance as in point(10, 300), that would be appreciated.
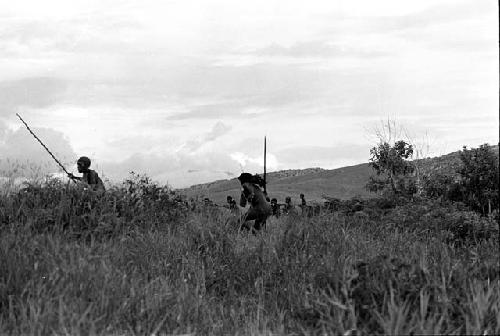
point(252, 193)
point(89, 177)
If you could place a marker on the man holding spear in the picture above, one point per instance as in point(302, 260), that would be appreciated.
point(89, 177)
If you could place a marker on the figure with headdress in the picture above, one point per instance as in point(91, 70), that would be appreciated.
point(251, 193)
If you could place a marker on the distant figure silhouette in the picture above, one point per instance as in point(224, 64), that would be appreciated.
point(288, 205)
point(306, 210)
point(231, 203)
point(303, 200)
point(275, 207)
point(89, 177)
point(259, 209)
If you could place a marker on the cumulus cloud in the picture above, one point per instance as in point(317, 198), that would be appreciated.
point(179, 169)
point(21, 152)
point(255, 163)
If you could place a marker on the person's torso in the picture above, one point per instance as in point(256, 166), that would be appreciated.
point(255, 196)
point(92, 178)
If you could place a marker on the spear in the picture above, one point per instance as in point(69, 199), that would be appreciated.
point(41, 143)
point(265, 183)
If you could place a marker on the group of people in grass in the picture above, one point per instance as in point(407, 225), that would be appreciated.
point(252, 194)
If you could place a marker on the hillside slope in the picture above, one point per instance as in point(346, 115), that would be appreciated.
point(343, 183)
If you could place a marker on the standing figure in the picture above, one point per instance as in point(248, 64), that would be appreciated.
point(275, 207)
point(231, 203)
point(90, 177)
point(259, 209)
point(288, 205)
point(306, 211)
point(303, 200)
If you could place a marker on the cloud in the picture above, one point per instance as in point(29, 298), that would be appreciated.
point(255, 163)
point(36, 92)
point(149, 77)
point(218, 130)
point(212, 110)
point(434, 15)
point(22, 152)
point(84, 32)
point(249, 91)
point(179, 169)
point(3, 131)
point(322, 156)
point(317, 49)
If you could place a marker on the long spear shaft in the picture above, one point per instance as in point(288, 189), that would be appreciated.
point(41, 143)
point(265, 183)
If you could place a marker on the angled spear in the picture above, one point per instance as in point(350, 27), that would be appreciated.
point(41, 143)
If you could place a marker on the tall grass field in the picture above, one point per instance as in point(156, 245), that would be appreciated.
point(138, 260)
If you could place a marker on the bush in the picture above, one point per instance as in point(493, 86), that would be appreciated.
point(475, 183)
point(53, 206)
point(480, 176)
point(452, 221)
point(392, 168)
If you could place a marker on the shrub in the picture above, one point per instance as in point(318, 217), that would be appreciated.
point(474, 183)
point(480, 176)
point(393, 168)
point(453, 222)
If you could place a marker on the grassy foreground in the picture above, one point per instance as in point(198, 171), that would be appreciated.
point(138, 262)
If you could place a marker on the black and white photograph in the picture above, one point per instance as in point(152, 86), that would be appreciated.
point(224, 167)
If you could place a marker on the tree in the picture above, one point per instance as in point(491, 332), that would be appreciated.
point(388, 131)
point(479, 178)
point(393, 168)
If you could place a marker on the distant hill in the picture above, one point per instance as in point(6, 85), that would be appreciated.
point(343, 183)
point(314, 183)
point(447, 164)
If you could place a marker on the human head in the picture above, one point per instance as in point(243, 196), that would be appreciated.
point(246, 177)
point(83, 164)
point(274, 201)
point(229, 199)
point(288, 199)
point(301, 195)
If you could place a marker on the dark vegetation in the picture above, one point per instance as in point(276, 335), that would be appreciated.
point(420, 258)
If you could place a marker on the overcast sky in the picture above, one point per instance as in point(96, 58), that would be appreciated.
point(186, 90)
